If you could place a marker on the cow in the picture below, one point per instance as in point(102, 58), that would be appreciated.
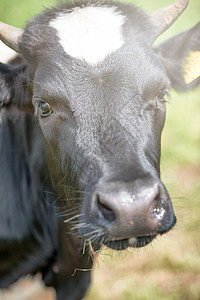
point(80, 128)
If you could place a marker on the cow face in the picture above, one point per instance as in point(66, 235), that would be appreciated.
point(99, 92)
point(104, 125)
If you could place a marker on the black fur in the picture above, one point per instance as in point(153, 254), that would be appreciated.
point(101, 136)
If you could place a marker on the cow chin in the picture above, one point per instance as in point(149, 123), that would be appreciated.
point(124, 243)
point(120, 244)
point(103, 238)
point(137, 242)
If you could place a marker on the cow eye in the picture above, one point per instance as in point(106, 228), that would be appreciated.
point(45, 109)
point(161, 99)
point(163, 94)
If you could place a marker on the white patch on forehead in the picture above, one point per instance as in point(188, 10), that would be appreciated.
point(90, 33)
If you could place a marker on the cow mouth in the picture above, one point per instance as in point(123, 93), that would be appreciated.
point(123, 244)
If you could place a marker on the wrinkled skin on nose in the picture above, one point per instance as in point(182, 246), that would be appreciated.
point(129, 213)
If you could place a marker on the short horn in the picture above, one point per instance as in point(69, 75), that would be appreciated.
point(165, 17)
point(10, 36)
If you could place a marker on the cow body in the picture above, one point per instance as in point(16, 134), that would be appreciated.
point(99, 97)
point(22, 232)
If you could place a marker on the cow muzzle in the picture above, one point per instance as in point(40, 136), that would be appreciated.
point(128, 214)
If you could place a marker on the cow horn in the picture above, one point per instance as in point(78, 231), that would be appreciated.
point(10, 36)
point(165, 17)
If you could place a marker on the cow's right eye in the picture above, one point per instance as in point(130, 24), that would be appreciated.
point(44, 109)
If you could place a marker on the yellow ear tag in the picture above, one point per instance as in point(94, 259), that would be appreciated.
point(191, 66)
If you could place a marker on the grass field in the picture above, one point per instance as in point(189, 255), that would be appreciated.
point(169, 269)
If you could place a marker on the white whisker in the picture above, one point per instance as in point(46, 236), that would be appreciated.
point(72, 218)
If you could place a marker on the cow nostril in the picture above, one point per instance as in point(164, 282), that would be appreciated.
point(158, 210)
point(105, 210)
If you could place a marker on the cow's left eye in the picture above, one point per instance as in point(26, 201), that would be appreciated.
point(161, 98)
point(162, 94)
point(45, 109)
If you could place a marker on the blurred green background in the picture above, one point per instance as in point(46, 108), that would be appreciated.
point(170, 267)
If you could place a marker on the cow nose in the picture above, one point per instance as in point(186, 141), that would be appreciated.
point(128, 210)
point(105, 208)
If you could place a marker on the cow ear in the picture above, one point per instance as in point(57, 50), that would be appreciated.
point(15, 87)
point(181, 57)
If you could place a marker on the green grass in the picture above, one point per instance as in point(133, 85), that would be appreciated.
point(182, 125)
point(169, 269)
point(18, 12)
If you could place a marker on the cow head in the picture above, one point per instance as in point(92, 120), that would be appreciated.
point(99, 92)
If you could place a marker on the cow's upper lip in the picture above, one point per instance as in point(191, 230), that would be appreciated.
point(129, 242)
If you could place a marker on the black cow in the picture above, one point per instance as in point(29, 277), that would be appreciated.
point(97, 88)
